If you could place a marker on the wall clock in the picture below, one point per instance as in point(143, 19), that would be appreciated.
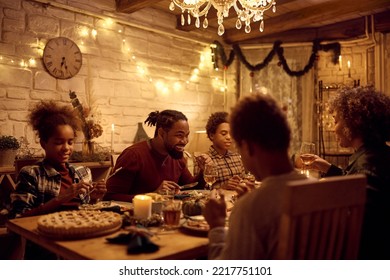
point(62, 58)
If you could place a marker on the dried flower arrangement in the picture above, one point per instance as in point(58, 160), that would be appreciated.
point(91, 129)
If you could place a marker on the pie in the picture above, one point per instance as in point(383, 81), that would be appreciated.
point(79, 224)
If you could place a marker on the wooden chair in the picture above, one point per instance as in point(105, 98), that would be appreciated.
point(322, 219)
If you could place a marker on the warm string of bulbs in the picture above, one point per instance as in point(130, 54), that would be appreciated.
point(86, 33)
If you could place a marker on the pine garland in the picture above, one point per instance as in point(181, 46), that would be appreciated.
point(277, 50)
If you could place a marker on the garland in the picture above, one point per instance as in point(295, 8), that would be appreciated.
point(277, 50)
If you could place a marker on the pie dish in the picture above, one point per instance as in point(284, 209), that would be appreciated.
point(78, 224)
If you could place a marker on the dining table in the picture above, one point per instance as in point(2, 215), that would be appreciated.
point(173, 244)
point(181, 243)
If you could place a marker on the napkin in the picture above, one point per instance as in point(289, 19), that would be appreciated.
point(137, 242)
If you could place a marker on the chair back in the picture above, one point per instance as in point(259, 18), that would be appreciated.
point(20, 163)
point(322, 219)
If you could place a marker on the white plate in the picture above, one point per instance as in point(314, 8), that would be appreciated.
point(196, 218)
point(125, 206)
point(196, 226)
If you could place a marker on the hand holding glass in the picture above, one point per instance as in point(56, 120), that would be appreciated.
point(307, 155)
point(210, 174)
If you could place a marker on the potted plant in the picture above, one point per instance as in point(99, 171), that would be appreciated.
point(8, 148)
point(26, 155)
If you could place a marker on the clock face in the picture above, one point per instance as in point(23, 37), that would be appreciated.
point(62, 58)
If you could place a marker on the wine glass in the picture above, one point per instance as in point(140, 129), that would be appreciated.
point(307, 155)
point(210, 174)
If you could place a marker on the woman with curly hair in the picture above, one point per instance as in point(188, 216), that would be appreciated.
point(49, 185)
point(362, 121)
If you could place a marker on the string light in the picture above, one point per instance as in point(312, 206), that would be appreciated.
point(94, 33)
point(163, 87)
point(32, 62)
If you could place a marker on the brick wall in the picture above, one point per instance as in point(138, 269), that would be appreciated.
point(111, 79)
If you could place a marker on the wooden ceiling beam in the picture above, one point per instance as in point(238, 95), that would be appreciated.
point(334, 32)
point(306, 16)
point(131, 6)
point(346, 30)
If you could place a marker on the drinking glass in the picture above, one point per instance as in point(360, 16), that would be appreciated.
point(307, 155)
point(171, 210)
point(210, 174)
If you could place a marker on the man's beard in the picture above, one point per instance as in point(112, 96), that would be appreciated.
point(173, 153)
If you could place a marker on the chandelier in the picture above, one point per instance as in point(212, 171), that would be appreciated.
point(246, 10)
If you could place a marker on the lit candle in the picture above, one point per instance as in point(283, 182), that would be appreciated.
point(349, 68)
point(340, 62)
point(112, 137)
point(142, 206)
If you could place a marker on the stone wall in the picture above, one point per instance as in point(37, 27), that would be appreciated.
point(128, 71)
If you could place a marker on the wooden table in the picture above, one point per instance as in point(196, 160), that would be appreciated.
point(173, 245)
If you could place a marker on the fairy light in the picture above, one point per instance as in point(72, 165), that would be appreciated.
point(94, 33)
point(84, 32)
point(141, 70)
point(108, 22)
point(32, 62)
point(177, 86)
point(159, 85)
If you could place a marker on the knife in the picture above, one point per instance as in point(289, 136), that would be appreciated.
point(188, 186)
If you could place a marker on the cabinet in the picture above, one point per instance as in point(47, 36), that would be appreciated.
point(328, 146)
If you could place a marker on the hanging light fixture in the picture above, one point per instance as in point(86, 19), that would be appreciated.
point(246, 10)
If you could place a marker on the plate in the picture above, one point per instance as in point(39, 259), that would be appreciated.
point(197, 227)
point(124, 206)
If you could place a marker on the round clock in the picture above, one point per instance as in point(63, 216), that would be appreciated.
point(62, 58)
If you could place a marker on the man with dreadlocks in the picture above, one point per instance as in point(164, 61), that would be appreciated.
point(155, 165)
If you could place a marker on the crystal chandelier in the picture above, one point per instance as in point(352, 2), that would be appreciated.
point(246, 10)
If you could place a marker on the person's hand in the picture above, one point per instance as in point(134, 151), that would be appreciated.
point(202, 160)
point(244, 187)
point(168, 187)
point(98, 191)
point(319, 164)
point(74, 190)
point(232, 183)
point(215, 210)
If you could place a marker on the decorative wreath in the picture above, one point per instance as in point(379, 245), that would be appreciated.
point(277, 49)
